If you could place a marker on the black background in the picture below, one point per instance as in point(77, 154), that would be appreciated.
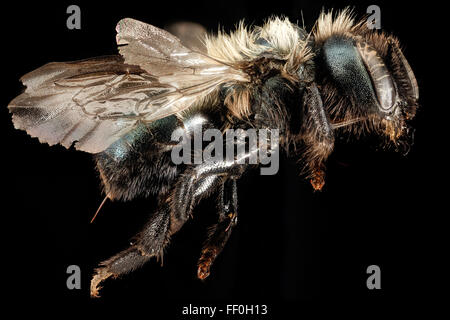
point(292, 247)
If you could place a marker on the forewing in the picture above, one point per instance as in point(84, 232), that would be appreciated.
point(92, 103)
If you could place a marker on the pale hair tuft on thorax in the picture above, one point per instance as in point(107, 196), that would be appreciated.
point(330, 24)
point(281, 39)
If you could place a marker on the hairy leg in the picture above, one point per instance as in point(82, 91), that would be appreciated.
point(220, 232)
point(318, 136)
point(199, 182)
point(149, 242)
point(196, 183)
point(173, 212)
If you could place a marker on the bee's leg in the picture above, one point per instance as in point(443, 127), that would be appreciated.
point(197, 183)
point(220, 232)
point(201, 180)
point(189, 190)
point(174, 211)
point(318, 136)
point(148, 243)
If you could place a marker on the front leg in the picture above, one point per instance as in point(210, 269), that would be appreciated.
point(317, 135)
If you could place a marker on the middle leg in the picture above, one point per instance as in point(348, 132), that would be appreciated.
point(220, 232)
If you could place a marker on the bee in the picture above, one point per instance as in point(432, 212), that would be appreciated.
point(342, 79)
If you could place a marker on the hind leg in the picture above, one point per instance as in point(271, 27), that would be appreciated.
point(173, 212)
point(193, 185)
point(149, 242)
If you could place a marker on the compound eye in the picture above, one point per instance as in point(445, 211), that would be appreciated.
point(381, 78)
point(361, 74)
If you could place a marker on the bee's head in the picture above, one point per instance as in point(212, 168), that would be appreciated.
point(366, 83)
